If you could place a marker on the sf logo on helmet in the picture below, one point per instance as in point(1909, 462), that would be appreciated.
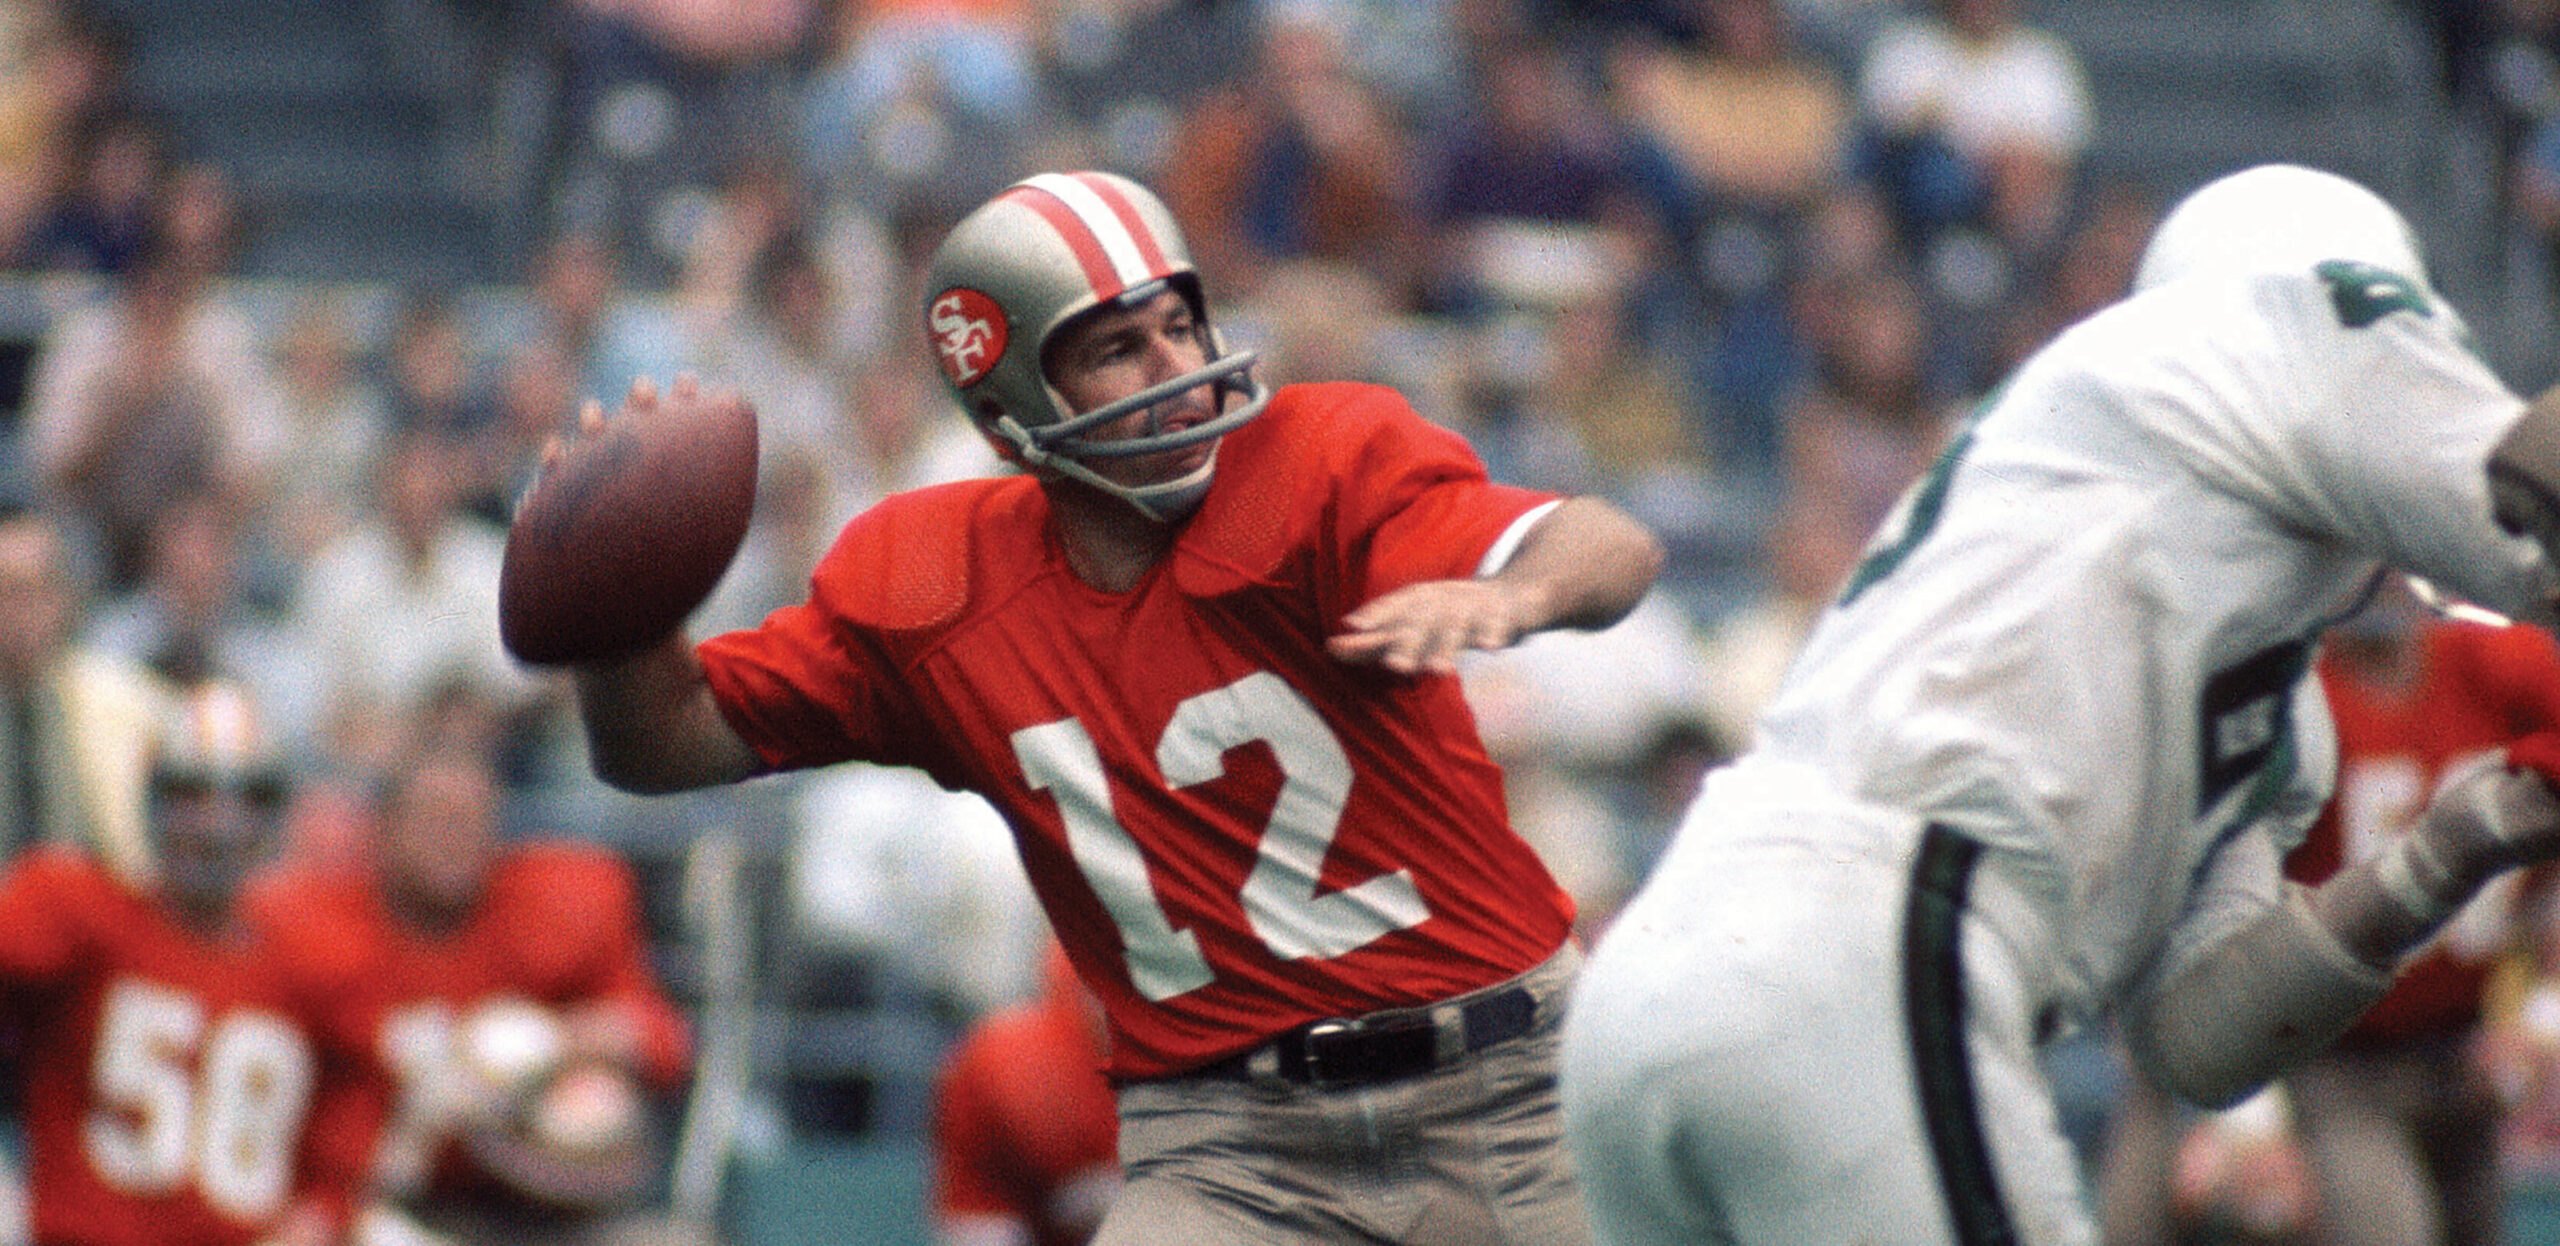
point(968, 333)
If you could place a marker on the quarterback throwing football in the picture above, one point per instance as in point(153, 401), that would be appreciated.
point(1200, 656)
point(2041, 759)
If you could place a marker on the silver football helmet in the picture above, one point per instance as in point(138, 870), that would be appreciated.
point(2277, 217)
point(218, 787)
point(1046, 250)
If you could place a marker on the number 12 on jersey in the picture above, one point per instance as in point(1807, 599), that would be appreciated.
point(1283, 900)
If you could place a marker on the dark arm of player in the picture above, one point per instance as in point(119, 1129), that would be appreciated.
point(2524, 482)
point(2285, 985)
point(651, 724)
point(1585, 565)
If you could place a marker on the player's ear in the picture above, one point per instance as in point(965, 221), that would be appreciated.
point(2524, 476)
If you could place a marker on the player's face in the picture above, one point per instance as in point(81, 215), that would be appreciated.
point(1116, 352)
point(439, 834)
point(209, 838)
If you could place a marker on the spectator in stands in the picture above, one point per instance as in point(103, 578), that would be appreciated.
point(405, 604)
point(531, 397)
point(77, 722)
point(191, 621)
point(105, 217)
point(495, 982)
point(580, 302)
point(199, 213)
point(67, 70)
point(779, 343)
point(1749, 121)
point(1872, 419)
point(1751, 133)
point(1025, 1132)
point(159, 390)
point(659, 96)
point(1299, 157)
point(1975, 118)
point(432, 369)
point(1529, 196)
point(336, 417)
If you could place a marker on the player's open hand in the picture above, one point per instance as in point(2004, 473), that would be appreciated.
point(2530, 812)
point(1422, 628)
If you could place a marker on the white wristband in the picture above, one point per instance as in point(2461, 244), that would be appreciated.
point(2409, 873)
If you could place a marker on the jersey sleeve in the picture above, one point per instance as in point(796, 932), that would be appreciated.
point(966, 1180)
point(815, 684)
point(2372, 423)
point(1414, 503)
point(580, 923)
point(43, 899)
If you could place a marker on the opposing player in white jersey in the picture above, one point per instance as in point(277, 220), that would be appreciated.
point(2040, 760)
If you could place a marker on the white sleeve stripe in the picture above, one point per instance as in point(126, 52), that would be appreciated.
point(1504, 546)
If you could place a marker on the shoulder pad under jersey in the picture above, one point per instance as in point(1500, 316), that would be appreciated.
point(907, 563)
point(1274, 477)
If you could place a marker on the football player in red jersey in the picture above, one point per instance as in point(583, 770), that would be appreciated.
point(504, 1002)
point(169, 1067)
point(1025, 1139)
point(2398, 1121)
point(1200, 655)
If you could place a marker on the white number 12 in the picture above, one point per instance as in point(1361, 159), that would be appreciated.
point(1283, 900)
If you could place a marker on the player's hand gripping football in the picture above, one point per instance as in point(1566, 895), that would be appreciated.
point(2526, 817)
point(1422, 628)
point(628, 525)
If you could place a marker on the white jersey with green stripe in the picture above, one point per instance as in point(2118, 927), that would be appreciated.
point(2085, 634)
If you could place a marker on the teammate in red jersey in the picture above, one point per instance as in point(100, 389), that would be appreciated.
point(2399, 1122)
point(476, 977)
point(1024, 1134)
point(169, 1069)
point(2397, 1125)
point(1200, 656)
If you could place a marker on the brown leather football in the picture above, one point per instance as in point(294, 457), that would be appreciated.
point(628, 530)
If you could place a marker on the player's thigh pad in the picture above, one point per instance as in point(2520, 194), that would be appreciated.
point(1736, 1063)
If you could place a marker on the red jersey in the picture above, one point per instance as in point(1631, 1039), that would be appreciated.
point(168, 1075)
point(1024, 1128)
point(1232, 832)
point(2477, 688)
point(558, 924)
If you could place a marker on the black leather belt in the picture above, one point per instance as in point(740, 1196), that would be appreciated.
point(1383, 1046)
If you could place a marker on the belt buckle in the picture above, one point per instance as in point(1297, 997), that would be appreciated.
point(1320, 1036)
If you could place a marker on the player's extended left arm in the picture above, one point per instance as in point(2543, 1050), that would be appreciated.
point(1585, 564)
point(2284, 986)
point(2524, 482)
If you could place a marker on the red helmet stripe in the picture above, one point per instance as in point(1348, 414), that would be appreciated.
point(1071, 229)
point(1149, 252)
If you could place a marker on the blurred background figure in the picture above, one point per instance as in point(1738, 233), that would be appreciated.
point(2397, 1133)
point(1025, 1132)
point(79, 722)
point(404, 606)
point(1671, 250)
point(158, 391)
point(521, 1048)
point(153, 1014)
point(1977, 119)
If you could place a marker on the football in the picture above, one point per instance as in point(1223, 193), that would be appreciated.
point(625, 531)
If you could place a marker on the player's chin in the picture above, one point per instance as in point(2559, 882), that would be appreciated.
point(1164, 466)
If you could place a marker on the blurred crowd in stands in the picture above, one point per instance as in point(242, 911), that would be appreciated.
point(1739, 265)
